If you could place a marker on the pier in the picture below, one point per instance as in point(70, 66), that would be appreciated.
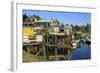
point(54, 47)
point(48, 39)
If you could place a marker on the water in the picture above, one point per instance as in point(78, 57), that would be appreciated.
point(84, 52)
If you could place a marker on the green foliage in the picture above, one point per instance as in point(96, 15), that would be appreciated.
point(83, 28)
point(37, 17)
point(57, 21)
point(31, 17)
point(25, 16)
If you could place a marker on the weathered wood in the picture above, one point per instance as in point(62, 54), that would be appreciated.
point(31, 43)
point(47, 52)
point(44, 53)
point(55, 54)
point(58, 56)
point(51, 41)
point(39, 51)
point(69, 53)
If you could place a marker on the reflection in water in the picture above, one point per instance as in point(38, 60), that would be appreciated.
point(84, 52)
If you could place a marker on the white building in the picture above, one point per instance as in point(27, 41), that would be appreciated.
point(67, 29)
point(56, 28)
point(44, 23)
point(47, 24)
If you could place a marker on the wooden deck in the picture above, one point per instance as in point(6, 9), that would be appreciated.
point(51, 41)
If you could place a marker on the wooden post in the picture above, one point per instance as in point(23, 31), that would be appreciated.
point(44, 53)
point(47, 49)
point(28, 49)
point(69, 54)
point(44, 49)
point(55, 49)
point(55, 54)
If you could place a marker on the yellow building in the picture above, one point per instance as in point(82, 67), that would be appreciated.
point(28, 33)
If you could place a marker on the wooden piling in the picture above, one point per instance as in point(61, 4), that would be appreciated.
point(69, 53)
point(44, 53)
point(55, 54)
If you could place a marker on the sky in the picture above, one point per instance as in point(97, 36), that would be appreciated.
point(75, 18)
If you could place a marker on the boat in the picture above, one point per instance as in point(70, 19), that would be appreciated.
point(88, 42)
point(75, 44)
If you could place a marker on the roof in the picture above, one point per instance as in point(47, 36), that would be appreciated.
point(44, 21)
point(55, 33)
point(28, 22)
point(56, 25)
point(68, 27)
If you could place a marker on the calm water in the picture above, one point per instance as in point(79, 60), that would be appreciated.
point(84, 52)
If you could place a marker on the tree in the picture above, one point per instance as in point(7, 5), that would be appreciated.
point(57, 21)
point(72, 27)
point(77, 28)
point(88, 28)
point(37, 17)
point(24, 17)
point(83, 28)
point(67, 24)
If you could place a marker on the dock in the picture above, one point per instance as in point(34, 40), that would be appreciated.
point(53, 47)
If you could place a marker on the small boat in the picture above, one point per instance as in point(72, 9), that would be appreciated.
point(75, 43)
point(88, 42)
